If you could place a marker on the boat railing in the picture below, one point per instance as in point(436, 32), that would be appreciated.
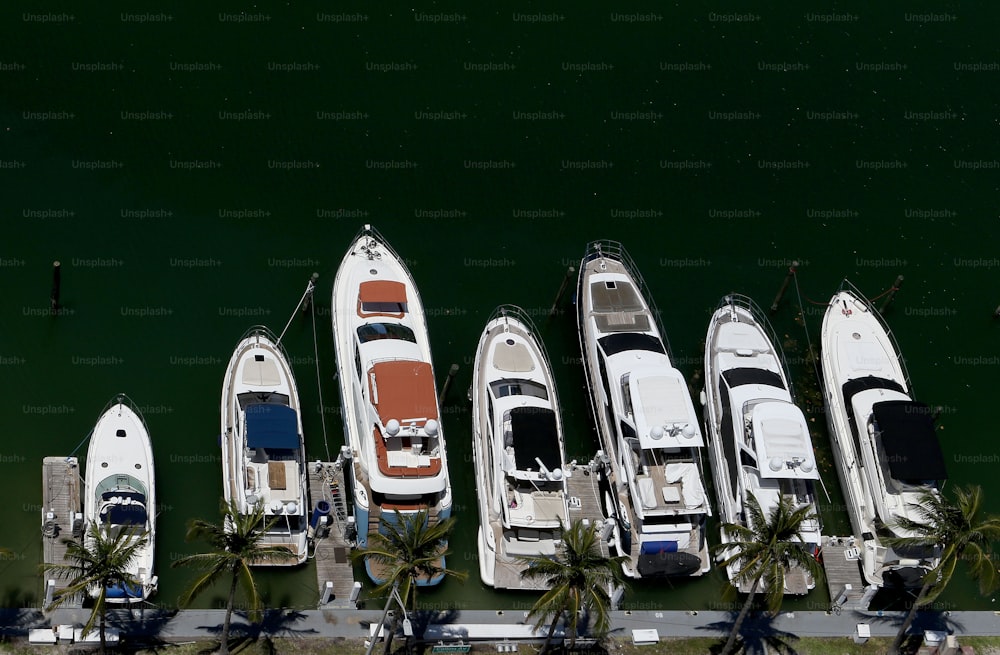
point(846, 285)
point(616, 251)
point(518, 314)
point(747, 304)
point(265, 332)
point(123, 399)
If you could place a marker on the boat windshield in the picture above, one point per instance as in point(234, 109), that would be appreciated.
point(509, 387)
point(258, 397)
point(375, 331)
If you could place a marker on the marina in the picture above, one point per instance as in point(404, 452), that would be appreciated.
point(843, 575)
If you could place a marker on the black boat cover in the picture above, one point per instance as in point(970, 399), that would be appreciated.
point(535, 435)
point(906, 429)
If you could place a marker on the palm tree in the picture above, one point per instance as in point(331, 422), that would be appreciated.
point(961, 532)
point(235, 547)
point(102, 559)
point(578, 577)
point(763, 550)
point(405, 552)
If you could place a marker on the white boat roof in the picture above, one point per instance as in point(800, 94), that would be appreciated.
point(660, 399)
point(781, 438)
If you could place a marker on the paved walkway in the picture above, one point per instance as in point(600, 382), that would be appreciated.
point(202, 624)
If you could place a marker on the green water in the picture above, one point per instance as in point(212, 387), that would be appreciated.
point(488, 147)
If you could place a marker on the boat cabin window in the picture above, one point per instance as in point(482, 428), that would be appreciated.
point(256, 397)
point(604, 376)
point(375, 331)
point(747, 459)
point(736, 377)
point(628, 433)
point(510, 387)
point(616, 343)
point(626, 396)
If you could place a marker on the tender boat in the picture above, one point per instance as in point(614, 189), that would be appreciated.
point(760, 443)
point(646, 421)
point(120, 491)
point(884, 442)
point(263, 452)
point(518, 450)
point(389, 400)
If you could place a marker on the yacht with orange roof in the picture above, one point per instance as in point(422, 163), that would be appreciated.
point(390, 404)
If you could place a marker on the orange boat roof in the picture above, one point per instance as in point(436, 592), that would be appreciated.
point(403, 390)
point(382, 291)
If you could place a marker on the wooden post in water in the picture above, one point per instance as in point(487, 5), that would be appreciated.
point(784, 285)
point(56, 285)
point(447, 383)
point(562, 290)
point(892, 294)
point(307, 301)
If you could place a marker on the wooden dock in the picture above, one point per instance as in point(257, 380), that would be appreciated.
point(332, 551)
point(585, 497)
point(60, 506)
point(841, 571)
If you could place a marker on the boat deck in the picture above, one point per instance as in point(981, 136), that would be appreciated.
point(61, 498)
point(841, 571)
point(332, 553)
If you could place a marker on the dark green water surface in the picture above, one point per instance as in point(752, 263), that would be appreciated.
point(191, 168)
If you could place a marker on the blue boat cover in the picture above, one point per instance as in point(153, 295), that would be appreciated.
point(653, 547)
point(123, 591)
point(272, 426)
point(133, 514)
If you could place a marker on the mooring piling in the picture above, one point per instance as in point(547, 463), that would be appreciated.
point(56, 285)
point(892, 294)
point(307, 299)
point(562, 289)
point(447, 383)
point(784, 285)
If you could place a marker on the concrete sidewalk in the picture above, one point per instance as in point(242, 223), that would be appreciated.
point(205, 624)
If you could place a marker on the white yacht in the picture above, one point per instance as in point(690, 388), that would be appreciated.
point(120, 491)
point(390, 404)
point(646, 421)
point(518, 450)
point(884, 443)
point(263, 452)
point(760, 443)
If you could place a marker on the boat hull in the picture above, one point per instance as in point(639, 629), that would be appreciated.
point(263, 450)
point(390, 408)
point(645, 417)
point(120, 492)
point(860, 356)
point(518, 451)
